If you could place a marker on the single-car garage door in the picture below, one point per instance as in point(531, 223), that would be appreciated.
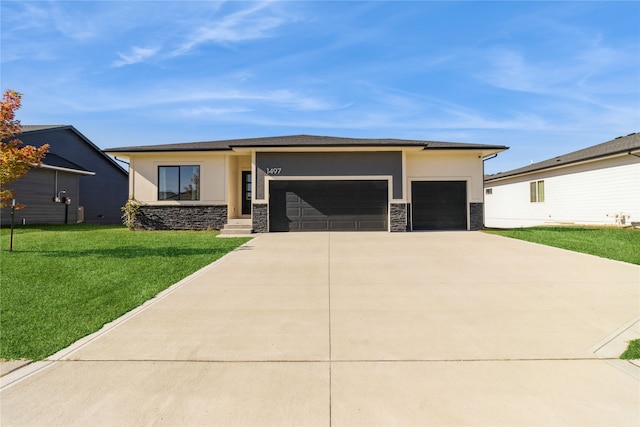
point(328, 205)
point(439, 205)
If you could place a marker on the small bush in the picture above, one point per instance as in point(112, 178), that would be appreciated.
point(130, 212)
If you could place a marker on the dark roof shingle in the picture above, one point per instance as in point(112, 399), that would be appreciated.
point(302, 141)
point(33, 128)
point(621, 144)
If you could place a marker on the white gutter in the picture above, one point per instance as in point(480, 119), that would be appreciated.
point(58, 168)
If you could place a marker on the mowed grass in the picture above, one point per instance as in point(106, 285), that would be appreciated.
point(622, 244)
point(61, 283)
point(633, 351)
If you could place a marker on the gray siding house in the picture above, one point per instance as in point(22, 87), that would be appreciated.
point(76, 171)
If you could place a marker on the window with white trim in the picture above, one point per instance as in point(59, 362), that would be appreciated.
point(536, 191)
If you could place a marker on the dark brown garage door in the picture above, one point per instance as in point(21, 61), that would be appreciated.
point(439, 205)
point(328, 205)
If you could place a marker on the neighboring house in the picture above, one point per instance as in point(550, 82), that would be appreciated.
point(596, 185)
point(309, 183)
point(74, 171)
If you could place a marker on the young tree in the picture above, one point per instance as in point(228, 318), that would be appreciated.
point(15, 159)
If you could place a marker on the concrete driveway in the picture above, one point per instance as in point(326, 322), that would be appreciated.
point(343, 329)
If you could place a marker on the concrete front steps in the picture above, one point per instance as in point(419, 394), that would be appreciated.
point(236, 228)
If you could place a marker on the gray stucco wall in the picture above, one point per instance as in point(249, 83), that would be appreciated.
point(331, 164)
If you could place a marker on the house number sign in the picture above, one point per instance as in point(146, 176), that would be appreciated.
point(274, 171)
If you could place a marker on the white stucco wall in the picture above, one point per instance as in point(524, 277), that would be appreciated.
point(446, 166)
point(143, 182)
point(216, 186)
point(591, 193)
point(235, 165)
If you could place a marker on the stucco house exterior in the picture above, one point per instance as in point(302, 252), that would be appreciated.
point(76, 183)
point(308, 183)
point(598, 185)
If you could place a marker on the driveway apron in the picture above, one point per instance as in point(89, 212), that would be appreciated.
point(342, 329)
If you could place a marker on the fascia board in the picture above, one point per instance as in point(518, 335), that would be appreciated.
point(315, 149)
point(565, 165)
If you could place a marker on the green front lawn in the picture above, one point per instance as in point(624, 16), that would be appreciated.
point(633, 352)
point(61, 283)
point(622, 244)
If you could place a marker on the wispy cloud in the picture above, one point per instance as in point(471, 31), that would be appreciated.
point(200, 112)
point(198, 97)
point(137, 54)
point(206, 24)
point(252, 23)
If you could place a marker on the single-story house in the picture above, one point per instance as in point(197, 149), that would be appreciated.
point(76, 183)
point(309, 183)
point(598, 185)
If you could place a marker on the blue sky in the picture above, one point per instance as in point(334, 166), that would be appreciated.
point(543, 78)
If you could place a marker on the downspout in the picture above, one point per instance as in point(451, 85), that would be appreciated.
point(484, 209)
point(122, 161)
point(632, 154)
point(489, 158)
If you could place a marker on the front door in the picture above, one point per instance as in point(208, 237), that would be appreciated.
point(246, 193)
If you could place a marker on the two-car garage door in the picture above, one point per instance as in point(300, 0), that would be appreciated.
point(325, 205)
point(319, 205)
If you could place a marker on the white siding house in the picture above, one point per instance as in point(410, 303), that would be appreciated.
point(598, 185)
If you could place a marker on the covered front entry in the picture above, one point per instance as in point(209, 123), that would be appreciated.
point(439, 205)
point(245, 193)
point(319, 205)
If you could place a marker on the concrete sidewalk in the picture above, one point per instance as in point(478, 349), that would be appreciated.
point(341, 329)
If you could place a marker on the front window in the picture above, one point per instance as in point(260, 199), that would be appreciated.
point(536, 191)
point(178, 182)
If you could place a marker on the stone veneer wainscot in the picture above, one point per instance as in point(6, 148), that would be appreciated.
point(398, 217)
point(260, 218)
point(476, 216)
point(211, 217)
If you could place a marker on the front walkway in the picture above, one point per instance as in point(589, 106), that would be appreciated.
point(459, 328)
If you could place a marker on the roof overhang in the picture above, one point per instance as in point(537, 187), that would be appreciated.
point(633, 152)
point(484, 150)
point(68, 170)
point(128, 153)
point(324, 148)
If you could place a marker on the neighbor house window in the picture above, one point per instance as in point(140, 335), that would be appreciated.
point(488, 191)
point(536, 191)
point(178, 182)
